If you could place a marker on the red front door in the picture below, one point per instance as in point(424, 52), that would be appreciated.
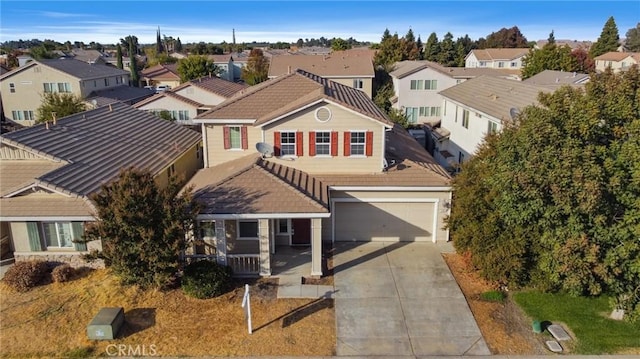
point(301, 232)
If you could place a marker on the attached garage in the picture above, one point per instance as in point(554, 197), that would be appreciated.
point(409, 219)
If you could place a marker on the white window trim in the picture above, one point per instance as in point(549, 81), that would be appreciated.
point(316, 140)
point(58, 247)
point(288, 232)
point(295, 144)
point(364, 145)
point(246, 238)
point(231, 148)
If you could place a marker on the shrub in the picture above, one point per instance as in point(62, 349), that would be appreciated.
point(493, 296)
point(26, 275)
point(62, 273)
point(206, 279)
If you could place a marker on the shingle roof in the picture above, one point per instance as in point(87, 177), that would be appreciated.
point(83, 70)
point(214, 85)
point(337, 64)
point(167, 71)
point(98, 143)
point(557, 78)
point(614, 56)
point(123, 93)
point(273, 98)
point(499, 54)
point(494, 96)
point(253, 185)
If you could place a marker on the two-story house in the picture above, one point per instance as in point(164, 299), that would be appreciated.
point(225, 64)
point(475, 108)
point(300, 159)
point(161, 74)
point(617, 61)
point(558, 78)
point(498, 58)
point(23, 87)
point(49, 171)
point(191, 98)
point(417, 86)
point(352, 68)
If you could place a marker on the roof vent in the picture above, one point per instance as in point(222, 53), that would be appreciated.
point(110, 108)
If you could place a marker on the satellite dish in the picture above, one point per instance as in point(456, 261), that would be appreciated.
point(265, 149)
point(513, 112)
point(94, 103)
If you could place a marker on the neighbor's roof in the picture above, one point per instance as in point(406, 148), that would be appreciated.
point(220, 58)
point(167, 71)
point(98, 143)
point(86, 55)
point(494, 96)
point(616, 56)
point(557, 78)
point(214, 85)
point(253, 185)
point(75, 68)
point(499, 54)
point(337, 64)
point(122, 93)
point(168, 94)
point(405, 68)
point(276, 97)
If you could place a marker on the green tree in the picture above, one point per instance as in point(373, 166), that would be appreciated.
point(257, 69)
point(632, 41)
point(608, 41)
point(420, 47)
point(178, 45)
point(41, 52)
point(58, 105)
point(553, 201)
point(133, 65)
point(411, 51)
point(338, 44)
point(550, 57)
point(119, 57)
point(584, 63)
point(504, 38)
point(159, 47)
point(432, 48)
point(448, 54)
point(391, 50)
point(142, 227)
point(196, 66)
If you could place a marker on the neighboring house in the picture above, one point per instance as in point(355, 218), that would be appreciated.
point(557, 78)
point(474, 108)
point(188, 100)
point(113, 61)
point(125, 94)
point(23, 87)
point(617, 61)
point(332, 167)
point(89, 56)
point(417, 85)
point(239, 61)
point(573, 44)
point(225, 64)
point(350, 68)
point(166, 74)
point(49, 171)
point(496, 58)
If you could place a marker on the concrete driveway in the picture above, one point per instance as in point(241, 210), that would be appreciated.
point(400, 299)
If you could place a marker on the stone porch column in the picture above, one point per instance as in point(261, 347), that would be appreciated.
point(316, 247)
point(221, 242)
point(265, 250)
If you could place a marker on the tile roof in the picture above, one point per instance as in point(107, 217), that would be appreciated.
point(18, 174)
point(557, 78)
point(214, 85)
point(615, 56)
point(123, 93)
point(164, 94)
point(499, 53)
point(220, 58)
point(276, 97)
point(86, 55)
point(98, 143)
point(45, 205)
point(166, 71)
point(494, 96)
point(82, 70)
point(256, 186)
point(405, 68)
point(336, 64)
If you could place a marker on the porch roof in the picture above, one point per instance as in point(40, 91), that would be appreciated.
point(45, 205)
point(252, 185)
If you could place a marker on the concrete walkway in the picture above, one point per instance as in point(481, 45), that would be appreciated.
point(400, 299)
point(289, 265)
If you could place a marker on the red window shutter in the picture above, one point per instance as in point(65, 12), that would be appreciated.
point(347, 143)
point(369, 143)
point(276, 143)
point(244, 139)
point(312, 143)
point(227, 138)
point(334, 143)
point(299, 143)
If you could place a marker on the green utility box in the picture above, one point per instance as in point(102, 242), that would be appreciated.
point(106, 324)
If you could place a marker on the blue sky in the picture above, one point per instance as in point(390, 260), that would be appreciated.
point(212, 21)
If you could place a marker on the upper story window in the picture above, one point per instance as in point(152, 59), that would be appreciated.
point(483, 64)
point(323, 143)
point(358, 84)
point(50, 87)
point(492, 127)
point(118, 80)
point(235, 138)
point(23, 115)
point(417, 84)
point(465, 118)
point(106, 81)
point(431, 84)
point(287, 143)
point(514, 64)
point(358, 141)
point(58, 234)
point(500, 64)
point(12, 87)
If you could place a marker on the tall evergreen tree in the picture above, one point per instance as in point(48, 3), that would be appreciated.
point(432, 48)
point(447, 55)
point(158, 42)
point(550, 57)
point(133, 66)
point(119, 57)
point(608, 41)
point(420, 46)
point(178, 46)
point(505, 38)
point(257, 69)
point(632, 41)
point(410, 47)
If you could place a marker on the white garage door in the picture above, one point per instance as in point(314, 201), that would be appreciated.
point(383, 221)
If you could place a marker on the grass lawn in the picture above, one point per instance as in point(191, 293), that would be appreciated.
point(587, 318)
point(50, 321)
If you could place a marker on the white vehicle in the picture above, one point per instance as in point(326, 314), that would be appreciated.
point(162, 88)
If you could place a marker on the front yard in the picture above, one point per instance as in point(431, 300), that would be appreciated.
point(50, 321)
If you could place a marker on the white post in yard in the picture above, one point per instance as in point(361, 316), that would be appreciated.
point(246, 304)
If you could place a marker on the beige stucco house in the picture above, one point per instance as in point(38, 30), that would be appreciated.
point(161, 74)
point(22, 88)
point(300, 159)
point(617, 61)
point(48, 172)
point(353, 68)
point(496, 58)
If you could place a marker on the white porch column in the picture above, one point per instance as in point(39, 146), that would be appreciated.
point(316, 247)
point(221, 242)
point(265, 250)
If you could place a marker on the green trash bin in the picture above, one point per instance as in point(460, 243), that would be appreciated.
point(537, 326)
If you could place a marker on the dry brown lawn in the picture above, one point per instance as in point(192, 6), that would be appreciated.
point(50, 321)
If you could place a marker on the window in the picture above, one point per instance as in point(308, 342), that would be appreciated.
point(458, 81)
point(483, 64)
point(500, 64)
point(492, 127)
point(118, 80)
point(412, 114)
point(358, 84)
point(207, 229)
point(287, 143)
point(50, 87)
point(283, 226)
point(430, 111)
point(235, 137)
point(323, 143)
point(431, 84)
point(58, 234)
point(514, 64)
point(171, 170)
point(435, 111)
point(424, 111)
point(358, 141)
point(247, 229)
point(12, 87)
point(417, 84)
point(180, 115)
point(465, 118)
point(22, 115)
point(106, 82)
